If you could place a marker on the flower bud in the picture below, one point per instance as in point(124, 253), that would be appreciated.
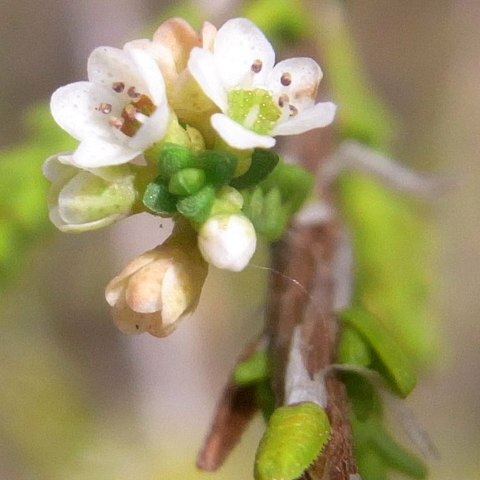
point(87, 199)
point(227, 241)
point(158, 288)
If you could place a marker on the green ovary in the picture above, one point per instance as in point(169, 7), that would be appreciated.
point(254, 109)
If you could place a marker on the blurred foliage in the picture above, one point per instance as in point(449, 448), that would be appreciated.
point(23, 207)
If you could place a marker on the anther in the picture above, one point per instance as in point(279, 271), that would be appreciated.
point(293, 110)
point(130, 111)
point(115, 122)
point(118, 87)
point(286, 79)
point(283, 100)
point(257, 66)
point(132, 92)
point(104, 108)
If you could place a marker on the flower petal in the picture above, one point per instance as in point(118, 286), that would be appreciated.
point(238, 136)
point(238, 45)
point(97, 152)
point(75, 107)
point(202, 67)
point(320, 115)
point(298, 78)
point(108, 65)
point(151, 75)
point(152, 130)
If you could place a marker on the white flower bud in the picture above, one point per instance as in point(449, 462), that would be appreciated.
point(227, 241)
point(158, 288)
point(87, 199)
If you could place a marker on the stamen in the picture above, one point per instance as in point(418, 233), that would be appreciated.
point(293, 110)
point(115, 122)
point(257, 66)
point(129, 111)
point(283, 100)
point(118, 87)
point(132, 92)
point(104, 108)
point(286, 79)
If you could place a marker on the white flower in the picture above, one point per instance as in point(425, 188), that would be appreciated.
point(87, 199)
point(258, 100)
point(119, 112)
point(158, 288)
point(227, 241)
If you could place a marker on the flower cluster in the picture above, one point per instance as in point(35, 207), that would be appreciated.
point(182, 126)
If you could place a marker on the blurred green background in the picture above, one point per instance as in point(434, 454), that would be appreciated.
point(79, 399)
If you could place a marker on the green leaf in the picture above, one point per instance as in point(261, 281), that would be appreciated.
point(363, 397)
point(158, 199)
point(353, 349)
point(262, 164)
point(174, 158)
point(396, 363)
point(295, 436)
point(253, 370)
point(219, 166)
point(187, 181)
point(197, 207)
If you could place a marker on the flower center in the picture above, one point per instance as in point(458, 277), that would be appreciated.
point(254, 109)
point(133, 114)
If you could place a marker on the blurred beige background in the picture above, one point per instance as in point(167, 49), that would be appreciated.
point(424, 60)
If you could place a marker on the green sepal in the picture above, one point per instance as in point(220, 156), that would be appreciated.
point(158, 199)
point(294, 182)
point(219, 166)
point(262, 164)
point(266, 211)
point(396, 364)
point(173, 158)
point(364, 399)
point(353, 348)
point(265, 398)
point(187, 181)
point(295, 436)
point(252, 370)
point(197, 207)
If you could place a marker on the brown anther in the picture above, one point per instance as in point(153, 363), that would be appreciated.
point(257, 66)
point(129, 111)
point(286, 79)
point(293, 110)
point(115, 122)
point(118, 87)
point(132, 92)
point(104, 108)
point(283, 100)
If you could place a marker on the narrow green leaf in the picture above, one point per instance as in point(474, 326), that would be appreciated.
point(158, 199)
point(396, 363)
point(353, 349)
point(295, 436)
point(253, 370)
point(262, 164)
point(197, 207)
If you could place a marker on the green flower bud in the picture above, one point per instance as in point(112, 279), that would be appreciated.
point(187, 181)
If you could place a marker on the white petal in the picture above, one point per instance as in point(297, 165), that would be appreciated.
point(107, 65)
point(151, 75)
point(58, 168)
point(320, 115)
point(304, 74)
point(238, 136)
point(75, 107)
point(152, 130)
point(238, 44)
point(96, 152)
point(203, 69)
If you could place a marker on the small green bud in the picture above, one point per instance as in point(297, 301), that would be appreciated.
point(174, 158)
point(219, 166)
point(187, 181)
point(262, 164)
point(197, 207)
point(158, 199)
